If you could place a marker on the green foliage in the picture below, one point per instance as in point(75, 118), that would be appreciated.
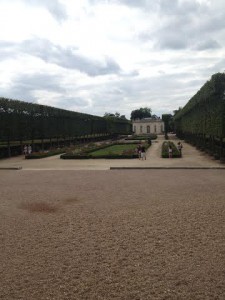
point(141, 113)
point(115, 149)
point(21, 121)
point(151, 136)
point(205, 111)
point(165, 150)
point(116, 115)
point(168, 121)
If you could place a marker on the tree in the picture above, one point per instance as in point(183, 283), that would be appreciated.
point(168, 121)
point(141, 113)
point(116, 115)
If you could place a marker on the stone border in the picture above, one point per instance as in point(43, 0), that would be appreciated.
point(11, 168)
point(167, 168)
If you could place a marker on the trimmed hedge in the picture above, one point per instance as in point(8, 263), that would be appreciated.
point(201, 122)
point(24, 121)
point(151, 136)
point(87, 156)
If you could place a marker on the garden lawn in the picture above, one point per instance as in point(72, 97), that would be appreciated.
point(114, 149)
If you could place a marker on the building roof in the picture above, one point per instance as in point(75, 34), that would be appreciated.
point(147, 120)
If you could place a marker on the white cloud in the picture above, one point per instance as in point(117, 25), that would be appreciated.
point(95, 56)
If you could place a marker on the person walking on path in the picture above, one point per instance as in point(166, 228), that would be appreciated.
point(29, 149)
point(25, 150)
point(179, 147)
point(143, 153)
point(139, 151)
point(170, 150)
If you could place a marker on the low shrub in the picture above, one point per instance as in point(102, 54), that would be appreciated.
point(151, 136)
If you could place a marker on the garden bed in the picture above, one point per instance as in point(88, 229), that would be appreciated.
point(43, 154)
point(113, 151)
point(165, 150)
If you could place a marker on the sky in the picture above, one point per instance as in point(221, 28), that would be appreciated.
point(98, 56)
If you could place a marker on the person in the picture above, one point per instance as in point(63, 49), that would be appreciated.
point(170, 150)
point(139, 151)
point(25, 150)
point(29, 149)
point(143, 153)
point(179, 147)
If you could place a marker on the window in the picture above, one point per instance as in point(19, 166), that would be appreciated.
point(155, 128)
point(134, 129)
point(148, 129)
point(141, 129)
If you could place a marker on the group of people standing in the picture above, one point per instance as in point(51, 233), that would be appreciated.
point(141, 152)
point(27, 149)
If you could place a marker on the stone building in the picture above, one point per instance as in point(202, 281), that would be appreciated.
point(148, 125)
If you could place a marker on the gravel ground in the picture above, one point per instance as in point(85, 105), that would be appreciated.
point(141, 234)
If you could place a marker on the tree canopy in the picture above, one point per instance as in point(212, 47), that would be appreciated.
point(116, 115)
point(141, 113)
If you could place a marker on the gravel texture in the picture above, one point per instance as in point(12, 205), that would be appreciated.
point(141, 234)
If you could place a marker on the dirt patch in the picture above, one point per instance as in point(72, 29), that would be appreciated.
point(71, 201)
point(39, 207)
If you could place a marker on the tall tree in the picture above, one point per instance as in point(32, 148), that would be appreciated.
point(141, 113)
point(168, 121)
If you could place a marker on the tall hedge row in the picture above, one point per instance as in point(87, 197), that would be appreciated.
point(20, 121)
point(202, 120)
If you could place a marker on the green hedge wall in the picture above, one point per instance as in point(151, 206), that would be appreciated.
point(21, 121)
point(202, 120)
point(205, 112)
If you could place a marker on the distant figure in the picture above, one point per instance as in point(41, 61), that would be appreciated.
point(139, 151)
point(143, 153)
point(179, 147)
point(170, 150)
point(25, 150)
point(29, 149)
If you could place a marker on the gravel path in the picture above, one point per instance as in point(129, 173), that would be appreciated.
point(141, 234)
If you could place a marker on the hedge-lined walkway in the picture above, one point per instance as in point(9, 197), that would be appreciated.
point(191, 158)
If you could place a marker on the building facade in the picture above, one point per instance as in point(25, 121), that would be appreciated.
point(148, 125)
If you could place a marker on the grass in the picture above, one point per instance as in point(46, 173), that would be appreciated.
point(114, 150)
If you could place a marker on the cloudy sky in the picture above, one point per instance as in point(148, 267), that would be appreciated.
point(97, 56)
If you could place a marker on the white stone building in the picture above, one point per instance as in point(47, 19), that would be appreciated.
point(148, 125)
